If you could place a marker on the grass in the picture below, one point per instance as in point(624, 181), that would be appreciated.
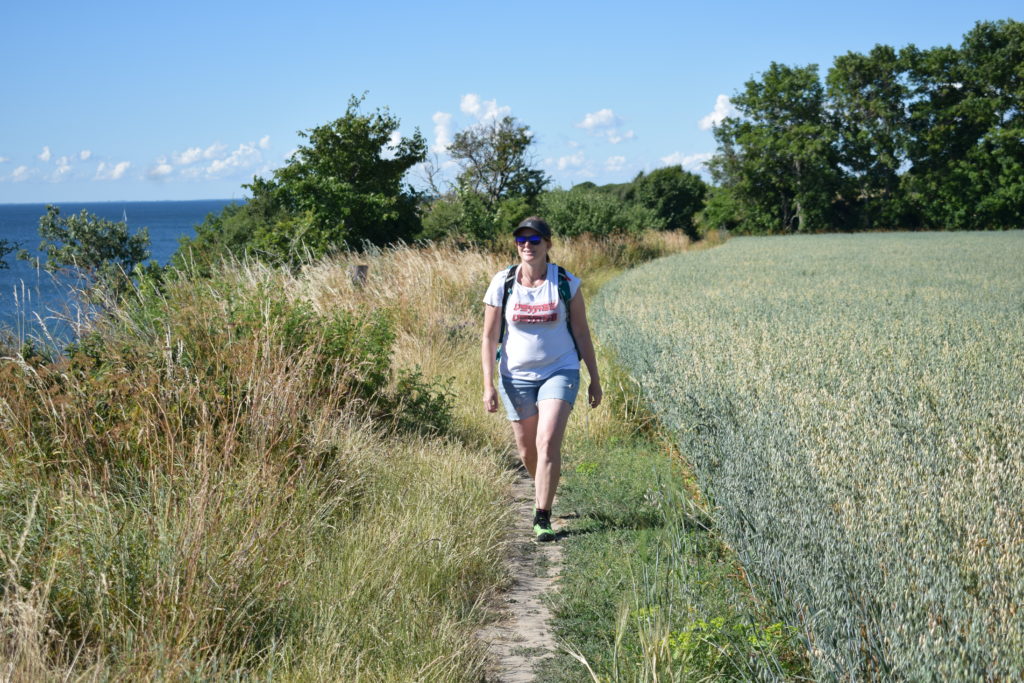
point(852, 407)
point(648, 590)
point(256, 475)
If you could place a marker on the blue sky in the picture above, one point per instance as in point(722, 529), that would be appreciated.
point(187, 100)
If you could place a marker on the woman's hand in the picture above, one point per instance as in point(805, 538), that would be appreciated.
point(490, 400)
point(595, 394)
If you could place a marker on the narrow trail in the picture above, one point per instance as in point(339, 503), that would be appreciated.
point(522, 637)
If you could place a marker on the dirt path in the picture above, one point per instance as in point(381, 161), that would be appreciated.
point(522, 637)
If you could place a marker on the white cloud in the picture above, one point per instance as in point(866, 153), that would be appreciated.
point(723, 108)
point(111, 172)
point(604, 118)
point(615, 163)
point(4, 160)
point(45, 154)
point(572, 161)
point(63, 168)
point(390, 148)
point(189, 156)
point(615, 138)
point(288, 155)
point(85, 154)
point(605, 123)
point(690, 162)
point(194, 154)
point(20, 173)
point(485, 110)
point(442, 132)
point(265, 142)
point(161, 169)
point(246, 156)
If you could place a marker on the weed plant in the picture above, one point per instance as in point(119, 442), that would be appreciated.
point(854, 410)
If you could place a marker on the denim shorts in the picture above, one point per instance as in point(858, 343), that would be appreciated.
point(520, 396)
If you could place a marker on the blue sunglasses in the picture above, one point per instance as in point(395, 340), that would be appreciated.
point(532, 239)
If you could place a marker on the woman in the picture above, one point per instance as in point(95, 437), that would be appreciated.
point(545, 336)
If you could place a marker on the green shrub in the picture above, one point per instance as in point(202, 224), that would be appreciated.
point(579, 212)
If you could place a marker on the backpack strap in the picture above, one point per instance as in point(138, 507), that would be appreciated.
point(506, 291)
point(565, 293)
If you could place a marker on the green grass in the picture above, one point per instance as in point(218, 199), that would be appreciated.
point(648, 590)
point(854, 410)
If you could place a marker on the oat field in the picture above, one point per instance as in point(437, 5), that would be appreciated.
point(854, 409)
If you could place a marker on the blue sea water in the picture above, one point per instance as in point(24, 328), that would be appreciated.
point(26, 293)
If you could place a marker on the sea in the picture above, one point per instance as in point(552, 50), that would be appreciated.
point(35, 305)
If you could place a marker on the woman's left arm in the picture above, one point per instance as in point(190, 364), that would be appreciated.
point(581, 333)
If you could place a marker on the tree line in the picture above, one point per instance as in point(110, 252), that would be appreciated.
point(892, 139)
point(347, 186)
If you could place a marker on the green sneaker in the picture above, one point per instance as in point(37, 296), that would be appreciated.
point(542, 526)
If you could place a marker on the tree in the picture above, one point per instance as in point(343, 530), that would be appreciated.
point(348, 181)
point(777, 160)
point(495, 189)
point(967, 118)
point(495, 162)
point(342, 188)
point(867, 105)
point(6, 248)
point(674, 195)
point(101, 252)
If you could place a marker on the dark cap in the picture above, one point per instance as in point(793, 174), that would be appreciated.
point(534, 223)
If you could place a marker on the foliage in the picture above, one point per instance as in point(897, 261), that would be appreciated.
point(852, 409)
point(867, 95)
point(578, 211)
point(496, 188)
point(495, 162)
point(341, 189)
point(101, 252)
point(966, 120)
point(463, 217)
point(900, 138)
point(623, 191)
point(6, 247)
point(778, 157)
point(674, 195)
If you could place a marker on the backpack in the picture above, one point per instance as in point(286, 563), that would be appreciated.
point(563, 294)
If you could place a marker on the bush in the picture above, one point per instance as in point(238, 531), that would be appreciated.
point(581, 211)
point(674, 195)
point(463, 217)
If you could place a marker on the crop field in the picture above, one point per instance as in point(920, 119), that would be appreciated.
point(854, 409)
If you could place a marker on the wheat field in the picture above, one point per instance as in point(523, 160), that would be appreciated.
point(854, 409)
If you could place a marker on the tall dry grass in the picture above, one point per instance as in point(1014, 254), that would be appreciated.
point(239, 477)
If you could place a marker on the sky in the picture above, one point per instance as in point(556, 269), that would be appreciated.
point(189, 100)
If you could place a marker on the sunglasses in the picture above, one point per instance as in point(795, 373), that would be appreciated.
point(532, 239)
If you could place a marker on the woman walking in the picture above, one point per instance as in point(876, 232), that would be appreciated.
point(535, 310)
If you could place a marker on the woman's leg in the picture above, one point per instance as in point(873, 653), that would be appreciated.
point(552, 418)
point(525, 431)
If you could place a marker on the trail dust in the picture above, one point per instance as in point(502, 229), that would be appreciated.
point(521, 638)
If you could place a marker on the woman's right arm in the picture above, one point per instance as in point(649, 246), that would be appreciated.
point(488, 350)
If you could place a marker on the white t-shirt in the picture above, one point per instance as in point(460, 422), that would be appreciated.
point(537, 342)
